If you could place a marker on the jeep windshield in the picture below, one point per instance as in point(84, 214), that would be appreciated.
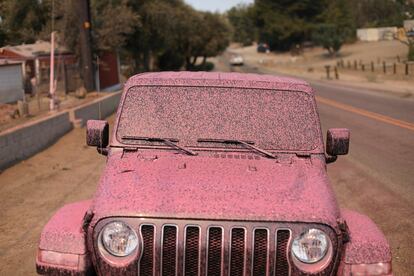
point(272, 119)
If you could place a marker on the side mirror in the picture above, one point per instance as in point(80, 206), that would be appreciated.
point(337, 143)
point(97, 135)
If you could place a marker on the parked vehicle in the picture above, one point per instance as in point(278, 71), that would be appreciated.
point(263, 48)
point(214, 174)
point(236, 60)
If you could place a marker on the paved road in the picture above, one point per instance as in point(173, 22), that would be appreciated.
point(376, 178)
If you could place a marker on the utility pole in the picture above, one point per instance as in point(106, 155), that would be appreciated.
point(87, 71)
point(52, 86)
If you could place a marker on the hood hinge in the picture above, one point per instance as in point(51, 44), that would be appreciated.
point(87, 218)
point(343, 227)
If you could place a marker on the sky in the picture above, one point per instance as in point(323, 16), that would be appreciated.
point(215, 5)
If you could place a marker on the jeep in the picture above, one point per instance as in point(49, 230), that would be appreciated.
point(214, 174)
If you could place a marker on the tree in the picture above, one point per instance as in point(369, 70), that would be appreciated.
point(329, 37)
point(336, 26)
point(21, 20)
point(285, 23)
point(241, 18)
point(378, 13)
point(172, 35)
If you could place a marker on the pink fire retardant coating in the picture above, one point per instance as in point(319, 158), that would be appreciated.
point(227, 184)
point(367, 243)
point(237, 187)
point(63, 233)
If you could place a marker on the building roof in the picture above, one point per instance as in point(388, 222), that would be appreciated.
point(39, 48)
point(5, 62)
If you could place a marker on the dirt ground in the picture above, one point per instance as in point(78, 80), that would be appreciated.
point(33, 190)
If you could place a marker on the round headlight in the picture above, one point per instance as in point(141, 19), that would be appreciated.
point(119, 239)
point(311, 246)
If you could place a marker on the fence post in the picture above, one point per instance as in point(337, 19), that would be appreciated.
point(363, 67)
point(395, 68)
point(348, 64)
point(65, 78)
point(384, 67)
point(336, 73)
point(328, 68)
point(372, 66)
point(406, 68)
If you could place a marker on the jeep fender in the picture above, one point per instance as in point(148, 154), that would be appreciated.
point(62, 247)
point(368, 251)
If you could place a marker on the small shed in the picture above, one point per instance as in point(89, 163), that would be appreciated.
point(377, 34)
point(11, 82)
point(409, 25)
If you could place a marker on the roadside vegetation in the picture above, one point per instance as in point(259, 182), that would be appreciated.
point(149, 34)
point(289, 25)
point(153, 35)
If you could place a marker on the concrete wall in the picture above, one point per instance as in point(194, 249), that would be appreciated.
point(25, 140)
point(21, 142)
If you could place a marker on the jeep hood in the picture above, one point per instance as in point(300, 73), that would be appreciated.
point(216, 187)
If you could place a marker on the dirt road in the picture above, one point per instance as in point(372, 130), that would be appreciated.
point(375, 179)
point(30, 192)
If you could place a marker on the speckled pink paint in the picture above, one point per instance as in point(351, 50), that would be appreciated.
point(226, 184)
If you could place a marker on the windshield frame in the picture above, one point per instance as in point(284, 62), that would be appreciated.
point(118, 143)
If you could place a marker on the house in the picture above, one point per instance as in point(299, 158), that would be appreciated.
point(36, 58)
point(11, 81)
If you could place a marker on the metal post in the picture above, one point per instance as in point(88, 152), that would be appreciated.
point(52, 73)
point(328, 68)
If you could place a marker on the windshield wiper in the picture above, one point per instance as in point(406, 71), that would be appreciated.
point(247, 144)
point(168, 141)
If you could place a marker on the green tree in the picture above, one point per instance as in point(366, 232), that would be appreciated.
point(285, 23)
point(21, 20)
point(242, 21)
point(378, 13)
point(329, 37)
point(172, 35)
point(336, 27)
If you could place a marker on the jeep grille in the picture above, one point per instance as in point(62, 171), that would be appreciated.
point(215, 250)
